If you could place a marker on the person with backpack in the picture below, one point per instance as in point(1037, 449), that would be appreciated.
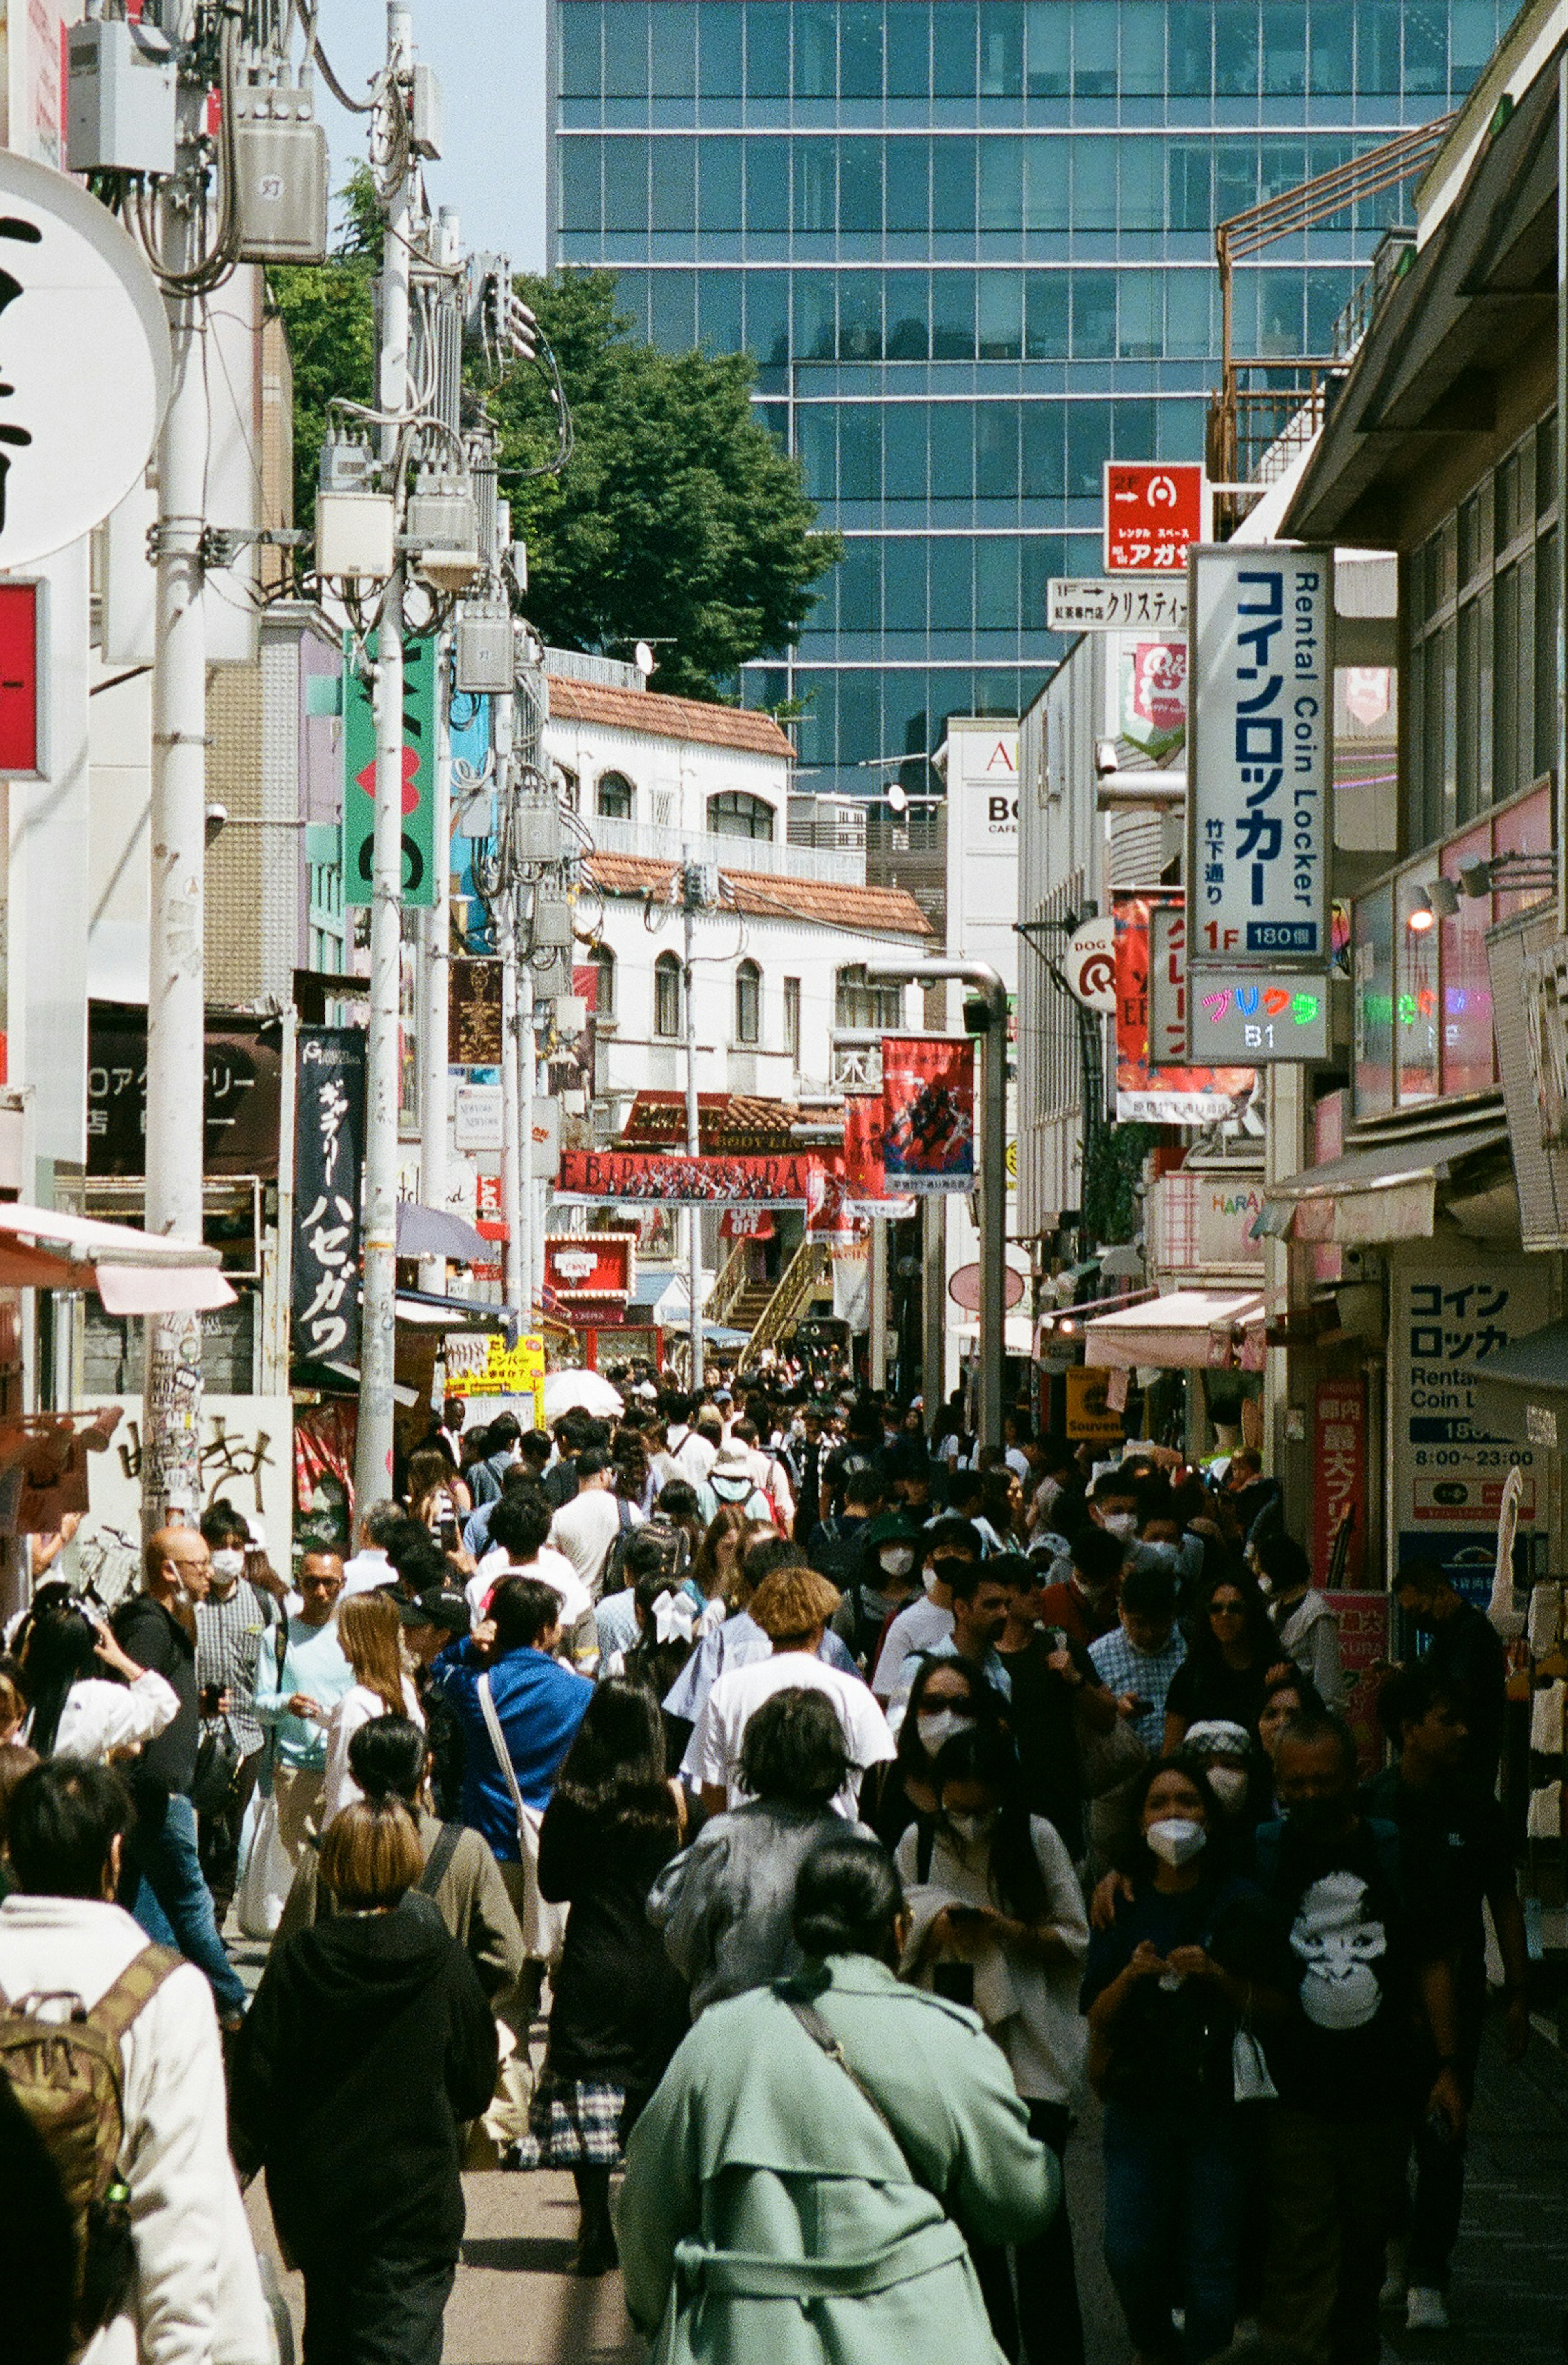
point(735, 1485)
point(833, 1549)
point(167, 2272)
point(587, 1526)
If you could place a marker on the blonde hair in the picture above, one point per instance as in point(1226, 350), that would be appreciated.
point(371, 1855)
point(791, 1603)
point(370, 1632)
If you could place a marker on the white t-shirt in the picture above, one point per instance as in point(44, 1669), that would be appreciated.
point(919, 1628)
point(360, 1705)
point(585, 1529)
point(366, 1572)
point(714, 1754)
point(552, 1568)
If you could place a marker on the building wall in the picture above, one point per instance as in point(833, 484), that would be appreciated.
point(1061, 871)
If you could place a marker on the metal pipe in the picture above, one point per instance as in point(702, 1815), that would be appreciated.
point(877, 1283)
point(438, 974)
point(693, 1131)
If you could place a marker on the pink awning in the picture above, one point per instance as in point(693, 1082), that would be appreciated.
point(133, 1271)
point(144, 1289)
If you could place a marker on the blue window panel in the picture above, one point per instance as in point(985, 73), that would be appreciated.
point(859, 453)
point(767, 316)
point(1328, 293)
point(1236, 51)
point(768, 49)
point(1000, 49)
point(907, 296)
point(1180, 429)
point(582, 204)
point(1046, 332)
point(719, 311)
point(1039, 557)
point(1235, 177)
point(1132, 430)
point(1095, 183)
point(625, 49)
point(908, 48)
point(1140, 194)
point(774, 416)
point(581, 30)
point(996, 451)
point(719, 187)
point(1427, 50)
point(1281, 314)
point(1331, 55)
point(1094, 49)
point(953, 316)
point(816, 50)
point(766, 183)
point(952, 585)
point(1001, 316)
point(721, 48)
point(952, 692)
point(952, 451)
point(1472, 36)
point(1047, 186)
point(675, 186)
point(816, 442)
point(1088, 448)
point(816, 184)
point(1141, 309)
point(1188, 332)
point(859, 717)
point(953, 32)
point(1377, 47)
point(953, 179)
point(815, 337)
point(860, 50)
point(861, 587)
point(673, 49)
point(1281, 166)
point(1044, 451)
point(996, 583)
point(632, 302)
point(860, 317)
point(1001, 185)
point(672, 307)
point(1284, 48)
point(1189, 183)
point(905, 432)
point(1190, 49)
point(1093, 315)
point(1143, 49)
point(860, 186)
point(1048, 53)
point(626, 187)
point(904, 584)
point(909, 186)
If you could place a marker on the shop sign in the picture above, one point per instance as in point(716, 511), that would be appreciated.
point(1258, 1016)
point(418, 773)
point(589, 1177)
point(1259, 747)
point(1155, 1083)
point(474, 1013)
point(1090, 1418)
point(928, 1115)
point(1363, 1653)
point(1446, 1318)
point(244, 1097)
point(480, 1363)
point(329, 1166)
point(477, 1118)
point(1340, 1472)
point(1152, 713)
point(591, 1265)
point(1099, 603)
point(1202, 1224)
point(1155, 510)
point(1089, 965)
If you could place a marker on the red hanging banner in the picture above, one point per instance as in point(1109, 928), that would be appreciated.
point(928, 1115)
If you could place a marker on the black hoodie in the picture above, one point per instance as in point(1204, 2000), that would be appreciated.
point(368, 2045)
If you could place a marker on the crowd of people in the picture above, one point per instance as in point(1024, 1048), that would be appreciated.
point(849, 1801)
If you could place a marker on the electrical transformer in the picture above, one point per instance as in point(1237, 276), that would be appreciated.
point(482, 650)
point(119, 109)
point(281, 175)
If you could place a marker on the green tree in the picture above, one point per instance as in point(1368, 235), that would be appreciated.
point(329, 312)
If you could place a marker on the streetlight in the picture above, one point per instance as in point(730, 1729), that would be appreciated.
point(993, 994)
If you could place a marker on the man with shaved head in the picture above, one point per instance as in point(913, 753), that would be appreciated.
point(162, 1883)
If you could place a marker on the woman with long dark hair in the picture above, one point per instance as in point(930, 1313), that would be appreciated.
point(1231, 1654)
point(613, 1823)
point(75, 1710)
point(948, 1696)
point(998, 1924)
point(716, 1568)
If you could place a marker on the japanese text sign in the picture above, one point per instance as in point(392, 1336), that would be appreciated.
point(329, 1161)
point(590, 1176)
point(1259, 734)
point(1156, 1084)
point(1446, 1318)
point(1154, 510)
point(928, 1115)
point(419, 775)
point(1339, 1494)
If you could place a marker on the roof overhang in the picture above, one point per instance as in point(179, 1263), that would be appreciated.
point(1189, 1329)
point(1383, 1191)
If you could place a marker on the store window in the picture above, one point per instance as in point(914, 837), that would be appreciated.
point(748, 1003)
point(737, 814)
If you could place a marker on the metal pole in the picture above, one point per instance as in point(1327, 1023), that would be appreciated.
point(1561, 649)
point(934, 1307)
point(438, 974)
point(171, 1388)
point(373, 1459)
point(513, 1197)
point(693, 1133)
point(528, 1196)
point(876, 1280)
point(282, 1262)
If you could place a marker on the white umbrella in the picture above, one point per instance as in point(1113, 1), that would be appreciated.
point(581, 1392)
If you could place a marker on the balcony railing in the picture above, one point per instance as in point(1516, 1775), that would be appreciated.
point(649, 841)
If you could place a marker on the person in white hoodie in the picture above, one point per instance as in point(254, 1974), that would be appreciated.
point(196, 2297)
point(74, 1709)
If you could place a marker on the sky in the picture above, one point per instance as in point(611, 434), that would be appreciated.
point(489, 56)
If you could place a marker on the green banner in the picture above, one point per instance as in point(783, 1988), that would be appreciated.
point(419, 775)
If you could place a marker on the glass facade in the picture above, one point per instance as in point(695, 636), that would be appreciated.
point(970, 245)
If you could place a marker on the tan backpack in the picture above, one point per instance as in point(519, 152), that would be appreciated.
point(67, 2074)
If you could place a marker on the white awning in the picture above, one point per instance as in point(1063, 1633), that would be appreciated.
point(1189, 1329)
point(132, 1271)
point(1383, 1190)
point(1020, 1338)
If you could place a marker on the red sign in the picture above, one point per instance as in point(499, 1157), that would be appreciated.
point(928, 1115)
point(489, 1221)
point(1363, 1649)
point(1339, 1489)
point(589, 1177)
point(19, 680)
point(1154, 1085)
point(1153, 509)
point(599, 1265)
point(746, 1223)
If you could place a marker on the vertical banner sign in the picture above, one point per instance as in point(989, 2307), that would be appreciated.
point(1260, 741)
point(419, 775)
point(928, 1116)
point(1339, 1495)
point(329, 1162)
point(1155, 1084)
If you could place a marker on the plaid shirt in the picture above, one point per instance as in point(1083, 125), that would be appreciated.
point(229, 1638)
point(1122, 1669)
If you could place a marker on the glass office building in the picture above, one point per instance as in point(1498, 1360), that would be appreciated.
point(970, 245)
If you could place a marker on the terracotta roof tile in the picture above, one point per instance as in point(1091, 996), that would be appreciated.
point(880, 911)
point(667, 718)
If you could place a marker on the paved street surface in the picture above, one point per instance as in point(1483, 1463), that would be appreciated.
point(516, 2302)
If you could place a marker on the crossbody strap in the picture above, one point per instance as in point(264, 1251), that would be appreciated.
point(503, 1758)
point(441, 1856)
point(817, 2029)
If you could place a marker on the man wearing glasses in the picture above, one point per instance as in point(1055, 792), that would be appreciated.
point(302, 1676)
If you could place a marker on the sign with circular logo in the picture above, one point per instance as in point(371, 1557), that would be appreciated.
point(1090, 965)
point(85, 361)
point(964, 1287)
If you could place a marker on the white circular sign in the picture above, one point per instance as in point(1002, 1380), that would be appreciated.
point(85, 361)
point(1090, 965)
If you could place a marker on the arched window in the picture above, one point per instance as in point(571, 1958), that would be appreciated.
point(856, 1004)
point(737, 814)
point(602, 961)
point(615, 797)
point(666, 996)
point(748, 1003)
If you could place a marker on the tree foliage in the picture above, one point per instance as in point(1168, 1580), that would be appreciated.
point(677, 519)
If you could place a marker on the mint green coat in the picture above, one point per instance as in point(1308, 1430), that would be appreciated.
point(769, 2217)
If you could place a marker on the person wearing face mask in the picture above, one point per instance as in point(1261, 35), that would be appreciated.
point(1054, 1692)
point(1226, 1753)
point(1082, 1600)
point(947, 1697)
point(997, 1922)
point(886, 1579)
point(950, 1544)
point(980, 1610)
point(1185, 1960)
point(234, 1623)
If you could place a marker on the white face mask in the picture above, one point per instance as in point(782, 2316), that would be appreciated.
point(973, 1827)
point(940, 1725)
point(1175, 1840)
point(1120, 1524)
point(226, 1564)
point(1228, 1784)
point(896, 1560)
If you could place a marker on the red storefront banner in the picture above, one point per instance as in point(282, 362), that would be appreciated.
point(601, 1266)
point(928, 1116)
point(746, 1223)
point(591, 1177)
point(1154, 1084)
point(863, 1164)
point(1339, 1492)
point(1364, 1650)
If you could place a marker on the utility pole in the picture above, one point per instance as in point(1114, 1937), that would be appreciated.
point(528, 1195)
point(372, 1457)
point(176, 989)
point(438, 974)
point(693, 1128)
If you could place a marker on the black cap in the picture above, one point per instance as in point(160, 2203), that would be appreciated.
point(441, 1606)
